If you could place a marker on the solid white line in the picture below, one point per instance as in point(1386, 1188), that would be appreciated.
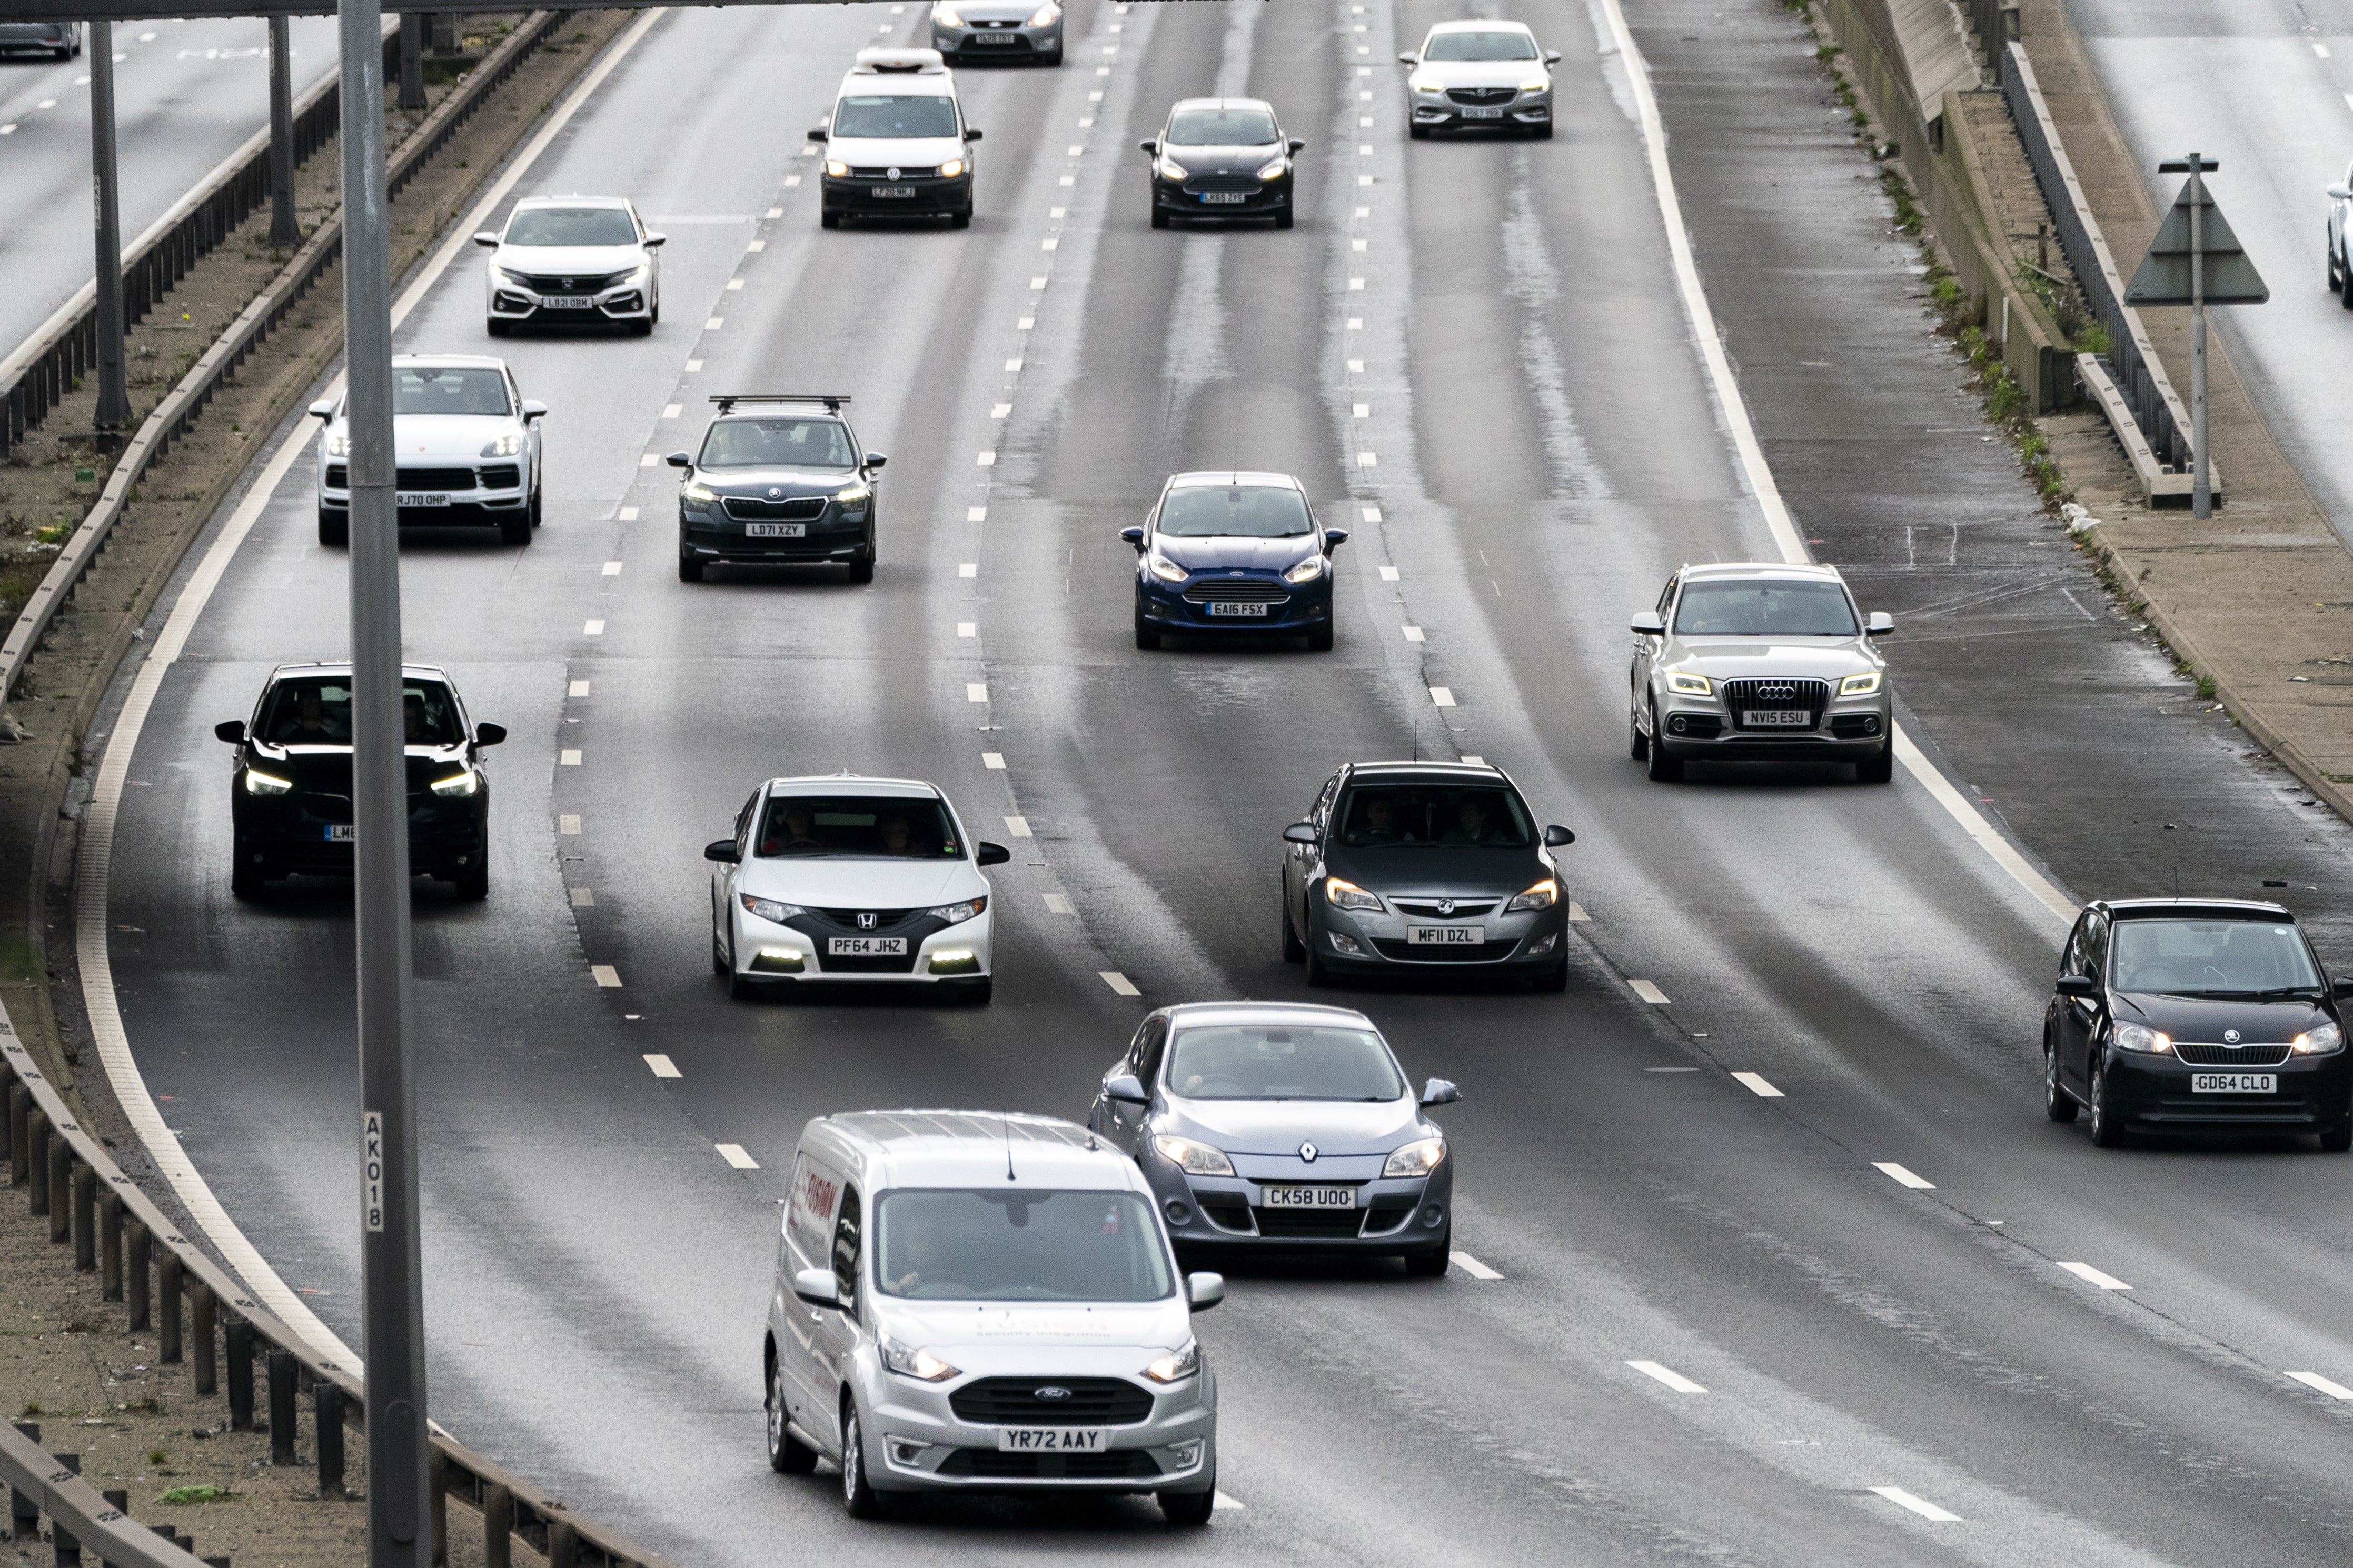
point(1119, 984)
point(1760, 474)
point(2313, 1379)
point(612, 568)
point(1757, 1086)
point(1472, 1267)
point(1920, 1506)
point(2090, 1275)
point(663, 1066)
point(1901, 1176)
point(734, 1155)
point(1648, 993)
point(605, 975)
point(1667, 1375)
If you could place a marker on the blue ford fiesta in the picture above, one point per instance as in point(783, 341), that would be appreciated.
point(1233, 552)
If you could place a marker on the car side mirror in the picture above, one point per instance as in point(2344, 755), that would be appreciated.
point(532, 408)
point(819, 1287)
point(1880, 624)
point(722, 850)
point(971, 135)
point(230, 730)
point(2079, 986)
point(1648, 624)
point(322, 409)
point(877, 461)
point(487, 240)
point(1409, 59)
point(1204, 1290)
point(1148, 146)
point(1123, 1088)
point(679, 460)
point(817, 133)
point(1134, 536)
point(489, 734)
point(1335, 537)
point(1440, 1091)
point(654, 241)
point(1296, 145)
point(1557, 838)
point(2340, 193)
point(2342, 991)
point(991, 854)
point(1552, 57)
point(1300, 833)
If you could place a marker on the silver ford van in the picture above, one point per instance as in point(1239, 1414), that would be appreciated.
point(976, 1301)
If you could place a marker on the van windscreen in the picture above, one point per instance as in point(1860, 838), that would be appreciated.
point(952, 1245)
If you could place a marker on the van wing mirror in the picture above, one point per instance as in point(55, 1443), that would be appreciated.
point(489, 734)
point(1880, 624)
point(722, 850)
point(230, 730)
point(990, 854)
point(1556, 837)
point(816, 133)
point(1204, 1290)
point(1648, 624)
point(1300, 833)
point(819, 1287)
point(2080, 985)
point(1440, 1091)
point(1123, 1088)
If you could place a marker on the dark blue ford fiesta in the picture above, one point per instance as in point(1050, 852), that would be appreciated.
point(1231, 552)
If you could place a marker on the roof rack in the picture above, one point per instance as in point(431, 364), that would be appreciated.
point(832, 401)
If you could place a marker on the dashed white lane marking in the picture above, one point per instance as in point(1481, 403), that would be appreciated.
point(647, 461)
point(605, 975)
point(1016, 827)
point(1667, 1375)
point(1388, 573)
point(569, 825)
point(592, 629)
point(734, 1155)
point(2348, 100)
point(1470, 761)
point(1372, 514)
point(791, 182)
point(778, 212)
point(693, 364)
point(1443, 696)
point(1363, 411)
point(967, 568)
point(578, 688)
point(734, 284)
point(714, 324)
point(627, 514)
point(1576, 911)
point(2321, 50)
point(1224, 1501)
point(756, 246)
point(993, 761)
point(612, 568)
point(583, 898)
point(986, 460)
point(569, 759)
point(1037, 283)
point(1757, 1086)
point(1648, 993)
point(968, 628)
point(1367, 460)
point(672, 410)
point(1356, 285)
point(999, 410)
point(1355, 323)
point(8, 129)
point(1121, 984)
point(663, 1066)
point(1920, 1506)
point(979, 513)
point(2313, 1379)
point(2091, 1276)
point(1059, 904)
point(1472, 1267)
point(1902, 1177)
point(975, 691)
point(1413, 634)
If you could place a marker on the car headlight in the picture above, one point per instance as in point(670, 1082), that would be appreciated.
point(1306, 571)
point(1861, 684)
point(956, 914)
point(913, 1360)
point(266, 784)
point(505, 445)
point(1536, 84)
point(2319, 1042)
point(853, 495)
point(694, 490)
point(2139, 1038)
point(505, 277)
point(1045, 16)
point(1192, 1159)
point(1168, 571)
point(1275, 170)
point(837, 168)
point(339, 446)
point(1176, 1365)
point(946, 17)
point(1343, 894)
point(770, 908)
point(951, 169)
point(1418, 1158)
point(1170, 169)
point(463, 784)
point(1426, 84)
point(1689, 685)
point(1543, 895)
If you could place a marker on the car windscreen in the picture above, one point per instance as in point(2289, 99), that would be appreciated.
point(435, 389)
point(884, 116)
point(1502, 45)
point(776, 444)
point(571, 226)
point(1374, 815)
point(1235, 511)
point(952, 1244)
point(1254, 1061)
point(857, 827)
point(1768, 607)
point(316, 711)
point(1220, 127)
point(2210, 957)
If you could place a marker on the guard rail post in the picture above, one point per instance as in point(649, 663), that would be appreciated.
point(281, 1405)
point(202, 1313)
point(68, 1550)
point(328, 1400)
point(24, 1508)
point(36, 1160)
point(60, 1194)
point(240, 1374)
point(497, 1527)
point(140, 1249)
point(169, 1347)
point(85, 1217)
point(110, 1248)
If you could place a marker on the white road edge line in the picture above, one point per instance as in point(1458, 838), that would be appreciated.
point(91, 874)
point(1472, 1267)
point(1667, 1375)
point(1760, 474)
point(1759, 1087)
point(1920, 1506)
point(2091, 1276)
point(2313, 1379)
point(1901, 1176)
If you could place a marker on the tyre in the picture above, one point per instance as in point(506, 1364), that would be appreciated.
point(1433, 1263)
point(1159, 218)
point(1282, 219)
point(718, 955)
point(1664, 769)
point(1188, 1511)
point(1555, 979)
point(497, 328)
point(1638, 744)
point(1145, 637)
point(787, 1455)
point(335, 527)
point(1880, 769)
point(976, 993)
point(2108, 1129)
point(960, 219)
point(1319, 973)
point(516, 530)
point(244, 879)
point(473, 882)
point(2346, 272)
point(1419, 132)
point(2339, 1138)
point(535, 513)
point(1541, 133)
point(1320, 639)
point(862, 570)
point(653, 317)
point(828, 220)
point(644, 328)
point(2336, 273)
point(689, 569)
point(1053, 60)
point(1293, 950)
point(2057, 1104)
point(858, 1499)
point(741, 989)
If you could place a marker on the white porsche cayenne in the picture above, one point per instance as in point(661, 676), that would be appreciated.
point(851, 879)
point(465, 444)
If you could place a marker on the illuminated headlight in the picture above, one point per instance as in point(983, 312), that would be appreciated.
point(1192, 1159)
point(339, 446)
point(1306, 571)
point(956, 914)
point(837, 168)
point(505, 445)
point(1275, 170)
point(908, 1361)
point(1176, 1365)
point(1427, 84)
point(1418, 1158)
point(946, 17)
point(1045, 16)
point(507, 277)
point(1689, 685)
point(951, 169)
point(1536, 84)
point(1543, 895)
point(2319, 1042)
point(2139, 1038)
point(1861, 684)
point(770, 908)
point(1170, 169)
point(463, 784)
point(695, 491)
point(1343, 894)
point(853, 497)
point(1168, 571)
point(266, 784)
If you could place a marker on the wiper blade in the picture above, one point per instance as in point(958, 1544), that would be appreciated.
point(2287, 991)
point(2213, 994)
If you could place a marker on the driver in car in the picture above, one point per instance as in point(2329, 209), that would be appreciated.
point(1376, 823)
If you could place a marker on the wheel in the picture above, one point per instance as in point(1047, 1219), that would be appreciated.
point(1433, 1263)
point(644, 328)
point(1879, 769)
point(1541, 133)
point(1638, 744)
point(473, 882)
point(858, 1496)
point(534, 506)
point(1189, 1510)
point(1293, 950)
point(2107, 1131)
point(516, 530)
point(497, 328)
point(1552, 979)
point(1282, 219)
point(335, 527)
point(1320, 639)
point(718, 955)
point(2057, 1104)
point(787, 1454)
point(653, 318)
point(1419, 132)
point(741, 989)
point(862, 570)
point(2336, 273)
point(1146, 636)
point(828, 220)
point(2339, 1138)
point(1159, 218)
point(1663, 768)
point(1053, 60)
point(2345, 271)
point(244, 877)
point(689, 569)
point(960, 219)
point(1319, 973)
point(976, 993)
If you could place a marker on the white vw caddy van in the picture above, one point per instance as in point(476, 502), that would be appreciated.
point(972, 1301)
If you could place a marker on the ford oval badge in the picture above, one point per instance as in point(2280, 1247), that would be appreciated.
point(1050, 1391)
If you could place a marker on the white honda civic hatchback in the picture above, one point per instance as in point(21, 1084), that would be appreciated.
point(465, 444)
point(578, 260)
point(851, 879)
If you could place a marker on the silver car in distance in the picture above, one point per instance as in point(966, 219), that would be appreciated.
point(1469, 74)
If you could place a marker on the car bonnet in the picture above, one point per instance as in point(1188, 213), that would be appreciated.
point(1434, 870)
point(1277, 1127)
point(1230, 551)
point(989, 1336)
point(860, 884)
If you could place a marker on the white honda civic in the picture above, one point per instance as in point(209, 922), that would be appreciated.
point(851, 879)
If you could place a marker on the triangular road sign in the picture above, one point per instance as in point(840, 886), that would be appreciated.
point(2163, 277)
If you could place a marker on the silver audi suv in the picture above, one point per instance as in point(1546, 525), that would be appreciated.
point(1750, 661)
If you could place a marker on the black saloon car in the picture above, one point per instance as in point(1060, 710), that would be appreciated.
point(1221, 158)
point(781, 483)
point(290, 797)
point(2174, 1014)
point(1411, 868)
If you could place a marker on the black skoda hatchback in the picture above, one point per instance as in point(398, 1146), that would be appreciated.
point(2196, 1015)
point(290, 798)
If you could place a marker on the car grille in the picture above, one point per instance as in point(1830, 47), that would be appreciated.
point(1408, 953)
point(1222, 183)
point(883, 918)
point(1481, 94)
point(751, 509)
point(1740, 696)
point(834, 963)
point(554, 283)
point(906, 172)
point(1014, 1402)
point(1236, 590)
point(436, 478)
point(2203, 1056)
point(1309, 1222)
point(1428, 910)
point(1118, 1464)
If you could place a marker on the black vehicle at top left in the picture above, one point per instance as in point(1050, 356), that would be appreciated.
point(780, 482)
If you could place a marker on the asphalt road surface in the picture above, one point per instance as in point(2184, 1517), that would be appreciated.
point(1512, 413)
